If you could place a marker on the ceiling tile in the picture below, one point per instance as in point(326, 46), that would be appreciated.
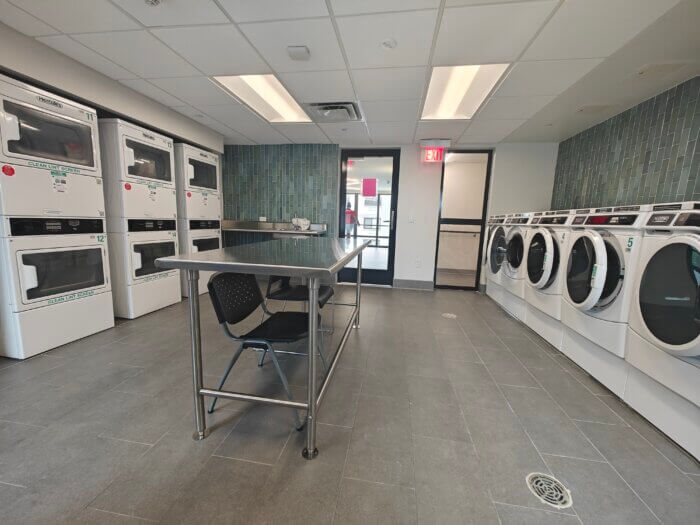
point(390, 133)
point(196, 91)
point(319, 86)
point(490, 130)
point(174, 12)
point(78, 16)
point(453, 3)
point(347, 134)
point(549, 77)
point(390, 110)
point(79, 52)
point(272, 38)
point(206, 120)
point(236, 138)
point(354, 7)
point(208, 49)
point(488, 33)
point(302, 133)
point(514, 107)
point(594, 28)
point(258, 10)
point(151, 91)
point(411, 32)
point(404, 83)
point(22, 21)
point(140, 52)
point(244, 121)
point(440, 130)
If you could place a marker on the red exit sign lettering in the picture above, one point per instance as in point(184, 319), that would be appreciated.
point(433, 154)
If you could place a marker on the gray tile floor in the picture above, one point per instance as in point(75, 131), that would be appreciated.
point(429, 420)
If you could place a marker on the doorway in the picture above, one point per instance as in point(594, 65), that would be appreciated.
point(462, 220)
point(369, 183)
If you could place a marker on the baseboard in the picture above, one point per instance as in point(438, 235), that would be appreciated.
point(413, 285)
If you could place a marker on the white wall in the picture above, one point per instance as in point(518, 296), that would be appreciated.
point(27, 57)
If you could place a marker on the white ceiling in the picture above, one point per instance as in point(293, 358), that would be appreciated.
point(564, 55)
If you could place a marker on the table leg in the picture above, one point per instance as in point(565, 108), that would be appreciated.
point(310, 451)
point(195, 333)
point(358, 290)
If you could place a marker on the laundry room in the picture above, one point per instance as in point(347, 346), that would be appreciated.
point(349, 261)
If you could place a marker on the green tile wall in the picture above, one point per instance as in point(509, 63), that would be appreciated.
point(648, 153)
point(278, 181)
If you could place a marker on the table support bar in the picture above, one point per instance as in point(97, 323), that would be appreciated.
point(238, 396)
point(336, 357)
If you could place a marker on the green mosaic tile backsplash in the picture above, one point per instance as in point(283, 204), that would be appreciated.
point(279, 181)
point(648, 153)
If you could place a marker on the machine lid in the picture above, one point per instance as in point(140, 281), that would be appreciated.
point(587, 267)
point(515, 249)
point(542, 259)
point(497, 250)
point(669, 296)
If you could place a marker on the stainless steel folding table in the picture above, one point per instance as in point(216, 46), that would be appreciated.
point(313, 259)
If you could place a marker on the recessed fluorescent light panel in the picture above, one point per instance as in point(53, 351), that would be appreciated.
point(266, 96)
point(456, 92)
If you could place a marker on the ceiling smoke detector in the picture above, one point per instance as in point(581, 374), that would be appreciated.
point(389, 43)
point(326, 112)
point(152, 3)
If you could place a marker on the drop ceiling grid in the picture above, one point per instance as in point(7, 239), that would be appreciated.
point(107, 53)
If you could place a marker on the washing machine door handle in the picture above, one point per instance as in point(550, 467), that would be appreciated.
point(548, 261)
point(598, 270)
point(11, 129)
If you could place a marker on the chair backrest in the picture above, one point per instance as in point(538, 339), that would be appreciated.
point(276, 283)
point(234, 296)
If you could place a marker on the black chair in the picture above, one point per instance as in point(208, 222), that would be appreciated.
point(234, 297)
point(279, 289)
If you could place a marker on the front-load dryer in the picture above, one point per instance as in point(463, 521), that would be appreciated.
point(54, 283)
point(495, 256)
point(50, 156)
point(663, 338)
point(513, 268)
point(140, 287)
point(601, 265)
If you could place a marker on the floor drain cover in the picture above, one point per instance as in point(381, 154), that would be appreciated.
point(549, 490)
point(447, 315)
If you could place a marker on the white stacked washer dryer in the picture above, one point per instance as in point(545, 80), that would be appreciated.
point(545, 273)
point(198, 183)
point(513, 268)
point(141, 216)
point(663, 337)
point(54, 271)
point(601, 263)
point(495, 255)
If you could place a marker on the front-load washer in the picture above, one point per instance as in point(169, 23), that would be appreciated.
point(547, 245)
point(50, 156)
point(663, 338)
point(54, 283)
point(601, 265)
point(198, 236)
point(138, 167)
point(139, 286)
point(513, 270)
point(495, 255)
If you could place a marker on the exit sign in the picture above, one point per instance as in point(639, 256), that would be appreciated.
point(433, 154)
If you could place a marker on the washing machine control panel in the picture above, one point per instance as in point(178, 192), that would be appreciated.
point(661, 219)
point(612, 220)
point(688, 219)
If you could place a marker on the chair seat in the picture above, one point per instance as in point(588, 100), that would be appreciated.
point(281, 327)
point(301, 293)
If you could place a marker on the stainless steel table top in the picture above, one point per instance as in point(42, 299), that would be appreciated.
point(294, 257)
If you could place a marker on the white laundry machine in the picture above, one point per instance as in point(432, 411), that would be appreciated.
point(547, 246)
point(139, 286)
point(198, 181)
point(495, 255)
point(54, 282)
point(601, 265)
point(663, 337)
point(50, 157)
point(513, 268)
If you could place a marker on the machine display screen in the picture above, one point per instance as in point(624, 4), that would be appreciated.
point(617, 220)
point(553, 220)
point(660, 219)
point(579, 220)
point(688, 219)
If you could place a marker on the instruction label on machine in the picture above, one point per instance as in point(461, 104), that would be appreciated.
point(71, 297)
point(59, 181)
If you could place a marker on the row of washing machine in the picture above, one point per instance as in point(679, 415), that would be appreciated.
point(86, 206)
point(617, 290)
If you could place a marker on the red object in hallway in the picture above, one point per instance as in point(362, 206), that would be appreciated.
point(433, 154)
point(369, 187)
point(8, 170)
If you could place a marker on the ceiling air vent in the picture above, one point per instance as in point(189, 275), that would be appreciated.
point(333, 111)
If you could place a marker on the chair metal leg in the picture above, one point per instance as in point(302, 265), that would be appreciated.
point(225, 376)
point(298, 425)
point(262, 357)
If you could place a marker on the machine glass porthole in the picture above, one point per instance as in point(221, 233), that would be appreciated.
point(613, 274)
point(60, 272)
point(536, 254)
point(204, 175)
point(515, 250)
point(149, 253)
point(582, 261)
point(149, 162)
point(668, 294)
point(498, 250)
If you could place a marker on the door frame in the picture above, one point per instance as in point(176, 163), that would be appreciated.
point(482, 222)
point(383, 277)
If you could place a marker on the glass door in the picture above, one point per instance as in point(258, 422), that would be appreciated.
point(465, 179)
point(369, 184)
